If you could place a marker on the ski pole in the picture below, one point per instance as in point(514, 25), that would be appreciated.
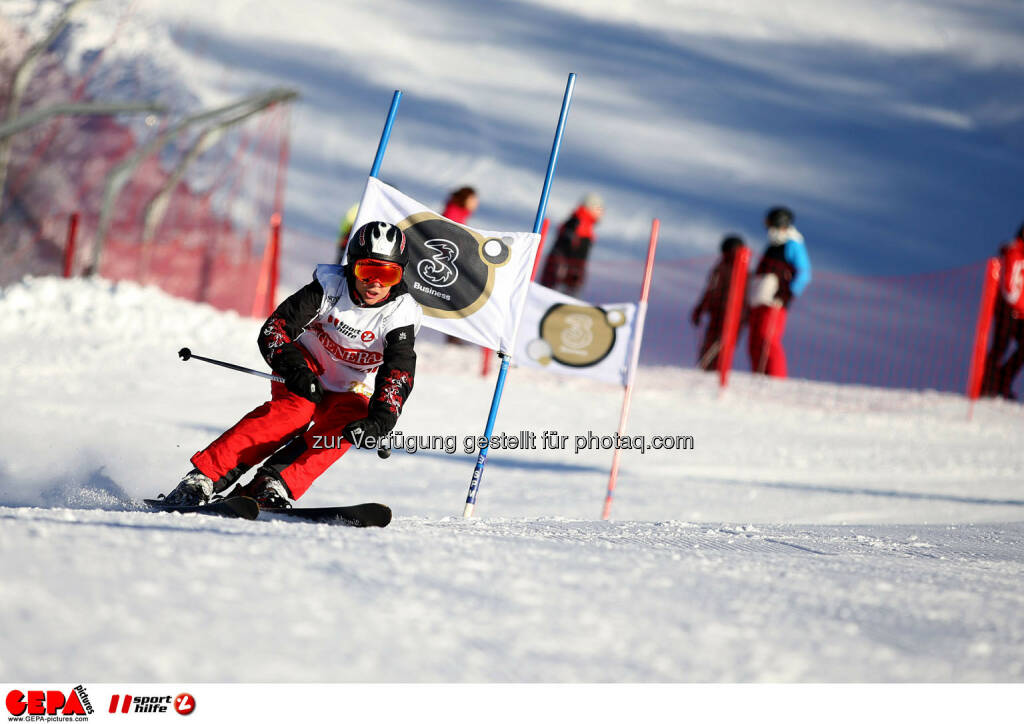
point(186, 354)
point(712, 352)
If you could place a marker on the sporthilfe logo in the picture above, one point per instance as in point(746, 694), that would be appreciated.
point(184, 704)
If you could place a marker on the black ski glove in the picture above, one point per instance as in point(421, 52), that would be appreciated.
point(303, 383)
point(364, 433)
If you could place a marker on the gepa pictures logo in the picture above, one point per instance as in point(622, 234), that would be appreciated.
point(37, 703)
point(452, 266)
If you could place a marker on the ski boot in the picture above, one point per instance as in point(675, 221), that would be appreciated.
point(267, 490)
point(194, 489)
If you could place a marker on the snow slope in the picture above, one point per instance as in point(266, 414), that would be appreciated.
point(815, 533)
point(890, 128)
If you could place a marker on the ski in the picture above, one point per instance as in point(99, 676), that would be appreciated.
point(237, 507)
point(365, 515)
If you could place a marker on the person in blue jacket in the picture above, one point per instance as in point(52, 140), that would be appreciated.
point(782, 275)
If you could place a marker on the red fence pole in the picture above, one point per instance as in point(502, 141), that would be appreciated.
point(988, 303)
point(69, 245)
point(733, 307)
point(485, 363)
point(266, 286)
point(275, 261)
point(262, 293)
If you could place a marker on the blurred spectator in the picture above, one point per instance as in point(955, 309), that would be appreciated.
point(782, 275)
point(345, 230)
point(461, 204)
point(1009, 322)
point(566, 265)
point(713, 300)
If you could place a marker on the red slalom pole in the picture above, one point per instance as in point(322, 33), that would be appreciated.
point(988, 303)
point(641, 315)
point(733, 307)
point(69, 245)
point(540, 249)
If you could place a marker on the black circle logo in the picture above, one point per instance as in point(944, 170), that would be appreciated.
point(451, 267)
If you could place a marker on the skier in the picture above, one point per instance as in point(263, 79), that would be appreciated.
point(782, 274)
point(566, 265)
point(1009, 322)
point(344, 346)
point(713, 300)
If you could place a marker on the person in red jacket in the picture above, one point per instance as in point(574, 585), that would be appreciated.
point(566, 265)
point(713, 300)
point(1009, 322)
point(461, 204)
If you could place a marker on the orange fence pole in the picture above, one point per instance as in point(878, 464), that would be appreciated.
point(634, 361)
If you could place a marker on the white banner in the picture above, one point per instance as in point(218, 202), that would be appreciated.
point(471, 283)
point(571, 337)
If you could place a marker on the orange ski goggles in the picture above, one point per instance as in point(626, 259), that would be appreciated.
point(386, 273)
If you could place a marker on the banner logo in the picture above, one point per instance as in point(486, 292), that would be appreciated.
point(578, 333)
point(73, 706)
point(438, 270)
point(453, 265)
point(575, 335)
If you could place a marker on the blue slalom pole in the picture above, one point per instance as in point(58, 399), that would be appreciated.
point(481, 460)
point(384, 453)
point(385, 135)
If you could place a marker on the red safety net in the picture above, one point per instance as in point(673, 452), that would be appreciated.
point(210, 241)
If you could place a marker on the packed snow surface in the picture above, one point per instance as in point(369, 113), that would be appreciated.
point(813, 533)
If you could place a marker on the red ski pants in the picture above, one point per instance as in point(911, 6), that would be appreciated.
point(767, 325)
point(282, 421)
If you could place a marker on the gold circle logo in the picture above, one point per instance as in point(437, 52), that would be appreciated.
point(575, 335)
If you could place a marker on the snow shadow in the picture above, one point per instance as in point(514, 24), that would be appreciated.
point(901, 494)
point(496, 460)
